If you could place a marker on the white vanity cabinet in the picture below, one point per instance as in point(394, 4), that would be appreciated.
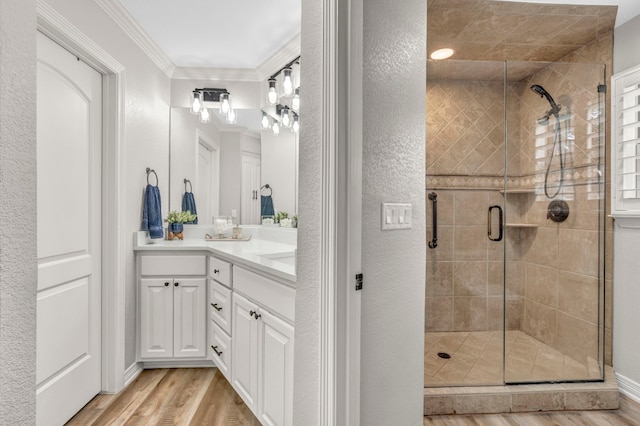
point(262, 345)
point(220, 282)
point(172, 307)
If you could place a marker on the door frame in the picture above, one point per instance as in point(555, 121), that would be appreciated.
point(204, 140)
point(59, 29)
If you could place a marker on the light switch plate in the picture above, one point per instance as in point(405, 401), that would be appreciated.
point(396, 216)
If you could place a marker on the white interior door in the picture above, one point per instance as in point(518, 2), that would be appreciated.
point(250, 190)
point(69, 142)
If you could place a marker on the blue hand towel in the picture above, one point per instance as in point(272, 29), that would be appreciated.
point(189, 203)
point(152, 212)
point(266, 205)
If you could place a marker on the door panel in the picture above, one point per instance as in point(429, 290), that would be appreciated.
point(156, 318)
point(69, 141)
point(189, 323)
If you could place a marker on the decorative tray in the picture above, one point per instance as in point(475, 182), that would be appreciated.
point(210, 238)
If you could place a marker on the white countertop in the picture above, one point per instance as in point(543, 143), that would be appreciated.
point(269, 250)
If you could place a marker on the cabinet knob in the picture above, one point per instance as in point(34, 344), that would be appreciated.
point(215, 349)
point(258, 315)
point(216, 271)
point(254, 314)
point(166, 284)
point(216, 307)
point(176, 284)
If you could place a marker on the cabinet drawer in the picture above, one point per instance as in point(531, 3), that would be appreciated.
point(271, 294)
point(173, 265)
point(220, 349)
point(220, 271)
point(220, 305)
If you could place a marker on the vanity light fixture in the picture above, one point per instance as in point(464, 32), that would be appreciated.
point(295, 102)
point(272, 94)
point(200, 96)
point(205, 117)
point(285, 117)
point(265, 121)
point(444, 53)
point(275, 128)
point(287, 82)
point(295, 127)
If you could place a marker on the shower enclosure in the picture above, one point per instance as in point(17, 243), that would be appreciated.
point(515, 224)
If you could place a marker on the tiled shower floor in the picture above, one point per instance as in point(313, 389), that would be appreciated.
point(476, 359)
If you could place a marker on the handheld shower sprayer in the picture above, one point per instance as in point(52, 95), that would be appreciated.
point(555, 108)
point(557, 138)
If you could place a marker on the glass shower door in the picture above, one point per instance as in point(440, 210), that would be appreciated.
point(466, 156)
point(555, 229)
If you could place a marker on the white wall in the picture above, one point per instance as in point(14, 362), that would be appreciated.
point(278, 168)
point(626, 240)
point(393, 262)
point(625, 45)
point(147, 94)
point(18, 266)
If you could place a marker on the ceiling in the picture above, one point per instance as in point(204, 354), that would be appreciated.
point(218, 34)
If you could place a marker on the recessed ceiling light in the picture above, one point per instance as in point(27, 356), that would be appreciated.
point(442, 53)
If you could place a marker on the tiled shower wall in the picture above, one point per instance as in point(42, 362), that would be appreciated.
point(552, 288)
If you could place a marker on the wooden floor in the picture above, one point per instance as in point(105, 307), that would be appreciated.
point(202, 396)
point(186, 396)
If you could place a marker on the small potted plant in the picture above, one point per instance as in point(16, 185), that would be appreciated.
point(176, 220)
point(280, 216)
point(294, 221)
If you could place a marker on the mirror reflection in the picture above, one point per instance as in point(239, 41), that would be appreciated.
point(228, 170)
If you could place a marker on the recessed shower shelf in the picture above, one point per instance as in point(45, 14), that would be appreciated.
point(521, 225)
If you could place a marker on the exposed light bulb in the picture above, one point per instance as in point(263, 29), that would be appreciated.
point(204, 116)
point(440, 54)
point(225, 103)
point(272, 95)
point(287, 82)
point(275, 128)
point(295, 102)
point(265, 121)
point(195, 103)
point(295, 127)
point(285, 116)
point(232, 117)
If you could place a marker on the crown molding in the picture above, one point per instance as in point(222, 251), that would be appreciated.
point(289, 51)
point(134, 31)
point(215, 74)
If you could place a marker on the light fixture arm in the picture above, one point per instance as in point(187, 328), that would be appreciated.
point(294, 61)
point(211, 95)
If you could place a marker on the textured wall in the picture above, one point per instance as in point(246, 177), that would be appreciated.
point(393, 170)
point(18, 266)
point(306, 400)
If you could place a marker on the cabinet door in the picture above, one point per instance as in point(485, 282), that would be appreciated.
point(244, 362)
point(156, 318)
point(189, 318)
point(276, 375)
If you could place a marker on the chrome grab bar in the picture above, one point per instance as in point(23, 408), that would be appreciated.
point(433, 197)
point(500, 223)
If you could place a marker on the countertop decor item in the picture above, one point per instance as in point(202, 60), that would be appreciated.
point(176, 220)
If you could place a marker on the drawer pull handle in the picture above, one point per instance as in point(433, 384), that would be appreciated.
point(216, 307)
point(216, 271)
point(255, 314)
point(176, 284)
point(215, 349)
point(166, 284)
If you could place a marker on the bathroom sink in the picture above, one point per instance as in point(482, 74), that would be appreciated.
point(286, 257)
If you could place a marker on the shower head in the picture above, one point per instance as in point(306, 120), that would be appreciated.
point(555, 108)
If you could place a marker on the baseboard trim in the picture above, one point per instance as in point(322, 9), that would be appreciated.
point(628, 387)
point(132, 372)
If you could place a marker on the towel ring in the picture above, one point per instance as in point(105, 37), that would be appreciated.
point(185, 185)
point(149, 171)
point(266, 186)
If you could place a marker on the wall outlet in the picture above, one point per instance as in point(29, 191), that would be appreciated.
point(396, 216)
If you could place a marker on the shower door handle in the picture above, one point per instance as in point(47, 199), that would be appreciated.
point(500, 223)
point(433, 197)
